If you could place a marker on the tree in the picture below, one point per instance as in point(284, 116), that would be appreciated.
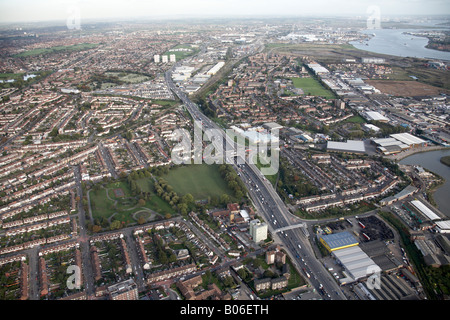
point(224, 199)
point(141, 202)
point(54, 132)
point(141, 220)
point(187, 198)
point(115, 225)
point(183, 208)
point(96, 229)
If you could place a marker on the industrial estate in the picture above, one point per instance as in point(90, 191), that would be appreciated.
point(93, 207)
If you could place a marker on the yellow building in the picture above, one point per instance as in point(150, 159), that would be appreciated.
point(338, 241)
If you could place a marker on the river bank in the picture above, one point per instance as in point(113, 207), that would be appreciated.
point(404, 154)
point(431, 162)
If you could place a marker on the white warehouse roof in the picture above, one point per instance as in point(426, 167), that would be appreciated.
point(356, 262)
point(425, 210)
point(376, 116)
point(349, 146)
point(443, 226)
point(317, 68)
point(407, 138)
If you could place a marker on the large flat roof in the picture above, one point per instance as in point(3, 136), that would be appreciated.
point(373, 115)
point(356, 262)
point(425, 210)
point(407, 138)
point(338, 240)
point(350, 145)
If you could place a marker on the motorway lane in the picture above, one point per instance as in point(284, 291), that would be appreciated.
point(270, 204)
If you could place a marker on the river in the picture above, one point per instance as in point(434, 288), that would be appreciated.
point(395, 42)
point(430, 161)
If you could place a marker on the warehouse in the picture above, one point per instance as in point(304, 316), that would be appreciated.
point(425, 210)
point(375, 116)
point(216, 68)
point(317, 68)
point(351, 146)
point(357, 263)
point(409, 139)
point(397, 143)
point(443, 226)
point(337, 241)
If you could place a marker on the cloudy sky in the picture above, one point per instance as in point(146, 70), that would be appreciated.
point(46, 10)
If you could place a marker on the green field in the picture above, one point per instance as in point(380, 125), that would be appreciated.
point(105, 204)
point(200, 180)
point(128, 77)
point(311, 86)
point(356, 119)
point(75, 47)
point(182, 54)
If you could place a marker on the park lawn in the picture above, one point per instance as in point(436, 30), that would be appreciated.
point(145, 184)
point(200, 180)
point(39, 51)
point(311, 86)
point(103, 207)
point(180, 55)
point(356, 119)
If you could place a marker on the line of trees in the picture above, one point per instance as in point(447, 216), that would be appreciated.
point(232, 179)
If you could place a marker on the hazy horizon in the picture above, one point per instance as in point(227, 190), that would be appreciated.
point(25, 11)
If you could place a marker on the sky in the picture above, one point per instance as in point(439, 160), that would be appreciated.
point(50, 10)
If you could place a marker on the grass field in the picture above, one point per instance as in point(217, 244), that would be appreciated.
point(182, 54)
point(128, 77)
point(104, 203)
point(311, 86)
point(200, 180)
point(75, 47)
point(356, 119)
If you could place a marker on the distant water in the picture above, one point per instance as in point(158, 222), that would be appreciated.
point(431, 161)
point(395, 42)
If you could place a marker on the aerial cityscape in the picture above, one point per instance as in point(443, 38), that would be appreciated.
point(247, 157)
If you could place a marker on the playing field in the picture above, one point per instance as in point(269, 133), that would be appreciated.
point(108, 200)
point(200, 180)
point(356, 119)
point(311, 86)
point(39, 51)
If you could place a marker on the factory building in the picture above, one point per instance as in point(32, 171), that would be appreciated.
point(356, 262)
point(351, 146)
point(424, 210)
point(397, 143)
point(338, 241)
point(318, 69)
point(374, 116)
point(216, 68)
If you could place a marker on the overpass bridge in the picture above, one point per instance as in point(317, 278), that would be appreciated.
point(294, 226)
